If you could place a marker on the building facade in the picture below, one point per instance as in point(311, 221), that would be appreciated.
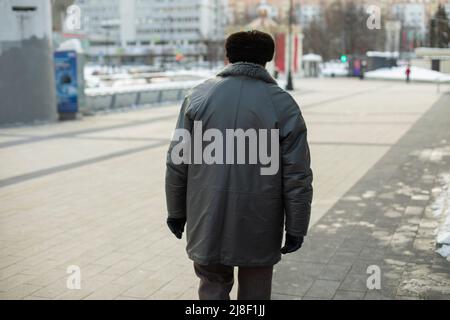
point(308, 12)
point(161, 30)
point(412, 17)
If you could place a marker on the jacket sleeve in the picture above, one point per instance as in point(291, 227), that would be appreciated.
point(297, 173)
point(176, 174)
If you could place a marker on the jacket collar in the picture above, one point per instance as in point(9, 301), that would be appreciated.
point(248, 69)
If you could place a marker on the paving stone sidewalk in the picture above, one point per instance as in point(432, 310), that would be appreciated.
point(385, 220)
point(90, 193)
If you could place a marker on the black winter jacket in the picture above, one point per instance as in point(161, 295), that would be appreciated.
point(235, 214)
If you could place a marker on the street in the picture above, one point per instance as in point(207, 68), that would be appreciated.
point(90, 193)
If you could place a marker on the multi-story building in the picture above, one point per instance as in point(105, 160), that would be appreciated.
point(308, 12)
point(413, 19)
point(157, 29)
point(412, 15)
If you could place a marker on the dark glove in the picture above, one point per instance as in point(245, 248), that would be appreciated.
point(177, 226)
point(293, 244)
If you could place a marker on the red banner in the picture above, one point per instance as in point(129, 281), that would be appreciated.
point(280, 56)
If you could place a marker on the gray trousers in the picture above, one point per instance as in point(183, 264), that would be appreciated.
point(216, 282)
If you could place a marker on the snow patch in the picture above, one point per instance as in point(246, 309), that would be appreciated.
point(334, 69)
point(399, 73)
point(444, 252)
point(441, 210)
point(383, 54)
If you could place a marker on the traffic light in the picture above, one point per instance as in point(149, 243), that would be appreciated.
point(344, 58)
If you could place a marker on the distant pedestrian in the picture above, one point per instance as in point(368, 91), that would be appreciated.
point(235, 215)
point(363, 70)
point(408, 74)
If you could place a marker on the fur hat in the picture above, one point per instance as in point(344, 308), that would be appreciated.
point(250, 46)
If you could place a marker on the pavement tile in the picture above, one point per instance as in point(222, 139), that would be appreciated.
point(145, 289)
point(325, 289)
point(349, 295)
point(354, 282)
point(386, 293)
point(334, 272)
point(19, 292)
point(108, 292)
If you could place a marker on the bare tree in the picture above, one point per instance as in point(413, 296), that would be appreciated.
point(439, 29)
point(342, 30)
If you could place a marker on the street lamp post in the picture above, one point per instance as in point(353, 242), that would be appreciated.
point(167, 47)
point(290, 82)
point(107, 36)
